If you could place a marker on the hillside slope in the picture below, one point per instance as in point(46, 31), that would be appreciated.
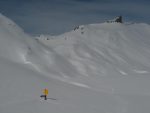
point(94, 68)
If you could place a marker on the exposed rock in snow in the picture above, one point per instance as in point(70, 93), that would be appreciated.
point(117, 19)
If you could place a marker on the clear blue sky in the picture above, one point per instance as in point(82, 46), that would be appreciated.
point(58, 16)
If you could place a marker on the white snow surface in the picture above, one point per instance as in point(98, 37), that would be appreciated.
point(97, 68)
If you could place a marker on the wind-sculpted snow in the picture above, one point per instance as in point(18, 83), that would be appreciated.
point(106, 49)
point(91, 69)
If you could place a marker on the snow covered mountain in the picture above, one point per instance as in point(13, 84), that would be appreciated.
point(91, 69)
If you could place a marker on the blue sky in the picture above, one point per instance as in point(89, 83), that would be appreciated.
point(58, 16)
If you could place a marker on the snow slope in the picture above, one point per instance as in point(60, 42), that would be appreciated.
point(94, 68)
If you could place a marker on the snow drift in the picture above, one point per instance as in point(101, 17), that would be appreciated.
point(91, 69)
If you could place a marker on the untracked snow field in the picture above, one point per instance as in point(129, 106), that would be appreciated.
point(96, 68)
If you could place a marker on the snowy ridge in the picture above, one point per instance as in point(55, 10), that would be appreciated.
point(93, 68)
point(109, 46)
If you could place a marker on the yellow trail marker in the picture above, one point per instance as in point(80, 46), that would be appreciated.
point(45, 91)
